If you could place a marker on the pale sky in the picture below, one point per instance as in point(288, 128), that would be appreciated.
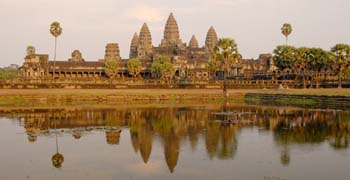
point(88, 25)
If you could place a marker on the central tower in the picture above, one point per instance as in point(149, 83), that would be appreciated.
point(171, 34)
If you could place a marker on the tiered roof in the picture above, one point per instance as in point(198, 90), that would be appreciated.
point(145, 39)
point(211, 39)
point(193, 42)
point(133, 46)
point(171, 33)
point(112, 52)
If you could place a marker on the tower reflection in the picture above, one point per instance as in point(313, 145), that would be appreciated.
point(217, 127)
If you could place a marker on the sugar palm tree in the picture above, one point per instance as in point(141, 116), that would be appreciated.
point(341, 54)
point(225, 55)
point(286, 31)
point(302, 56)
point(318, 63)
point(55, 30)
point(57, 159)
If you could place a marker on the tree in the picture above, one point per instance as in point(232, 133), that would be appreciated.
point(134, 67)
point(212, 68)
point(162, 67)
point(302, 56)
point(318, 63)
point(111, 68)
point(8, 73)
point(341, 53)
point(284, 57)
point(225, 55)
point(286, 31)
point(55, 30)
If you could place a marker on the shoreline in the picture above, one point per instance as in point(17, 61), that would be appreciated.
point(76, 97)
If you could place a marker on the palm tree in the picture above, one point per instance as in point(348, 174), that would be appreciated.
point(225, 54)
point(57, 159)
point(284, 59)
point(286, 31)
point(55, 30)
point(302, 56)
point(212, 68)
point(341, 54)
point(318, 62)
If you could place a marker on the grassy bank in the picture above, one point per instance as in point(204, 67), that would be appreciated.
point(314, 92)
point(43, 97)
point(36, 97)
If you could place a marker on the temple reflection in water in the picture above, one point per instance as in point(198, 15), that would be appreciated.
point(218, 128)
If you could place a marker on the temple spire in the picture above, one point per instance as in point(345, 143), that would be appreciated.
point(133, 46)
point(145, 41)
point(211, 39)
point(193, 42)
point(112, 52)
point(135, 40)
point(171, 33)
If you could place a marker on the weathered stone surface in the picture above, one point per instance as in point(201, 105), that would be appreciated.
point(190, 62)
point(193, 42)
point(76, 56)
point(112, 52)
point(133, 46)
point(171, 33)
point(145, 41)
point(30, 51)
point(211, 39)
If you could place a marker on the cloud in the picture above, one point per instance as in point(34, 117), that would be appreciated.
point(145, 13)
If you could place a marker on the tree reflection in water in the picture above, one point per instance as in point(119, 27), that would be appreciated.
point(312, 127)
point(218, 126)
point(57, 159)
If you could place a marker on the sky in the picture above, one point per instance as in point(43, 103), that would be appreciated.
point(88, 25)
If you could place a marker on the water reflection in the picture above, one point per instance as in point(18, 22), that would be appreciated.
point(57, 159)
point(219, 128)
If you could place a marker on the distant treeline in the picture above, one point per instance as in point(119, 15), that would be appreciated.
point(8, 73)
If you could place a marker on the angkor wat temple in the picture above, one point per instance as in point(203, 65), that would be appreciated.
point(190, 60)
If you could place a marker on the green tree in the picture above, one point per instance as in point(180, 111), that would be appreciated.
point(111, 68)
point(55, 30)
point(286, 31)
point(8, 74)
point(302, 56)
point(318, 63)
point(162, 67)
point(284, 57)
point(134, 67)
point(341, 54)
point(225, 55)
point(212, 68)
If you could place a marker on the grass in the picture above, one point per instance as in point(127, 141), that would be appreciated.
point(42, 97)
point(157, 92)
point(297, 101)
point(5, 101)
point(316, 92)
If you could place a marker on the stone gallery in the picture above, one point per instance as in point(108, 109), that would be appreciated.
point(190, 61)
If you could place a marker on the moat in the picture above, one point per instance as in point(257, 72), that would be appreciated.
point(171, 141)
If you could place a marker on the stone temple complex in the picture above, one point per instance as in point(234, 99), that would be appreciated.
point(190, 61)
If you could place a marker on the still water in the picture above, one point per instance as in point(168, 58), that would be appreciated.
point(223, 142)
